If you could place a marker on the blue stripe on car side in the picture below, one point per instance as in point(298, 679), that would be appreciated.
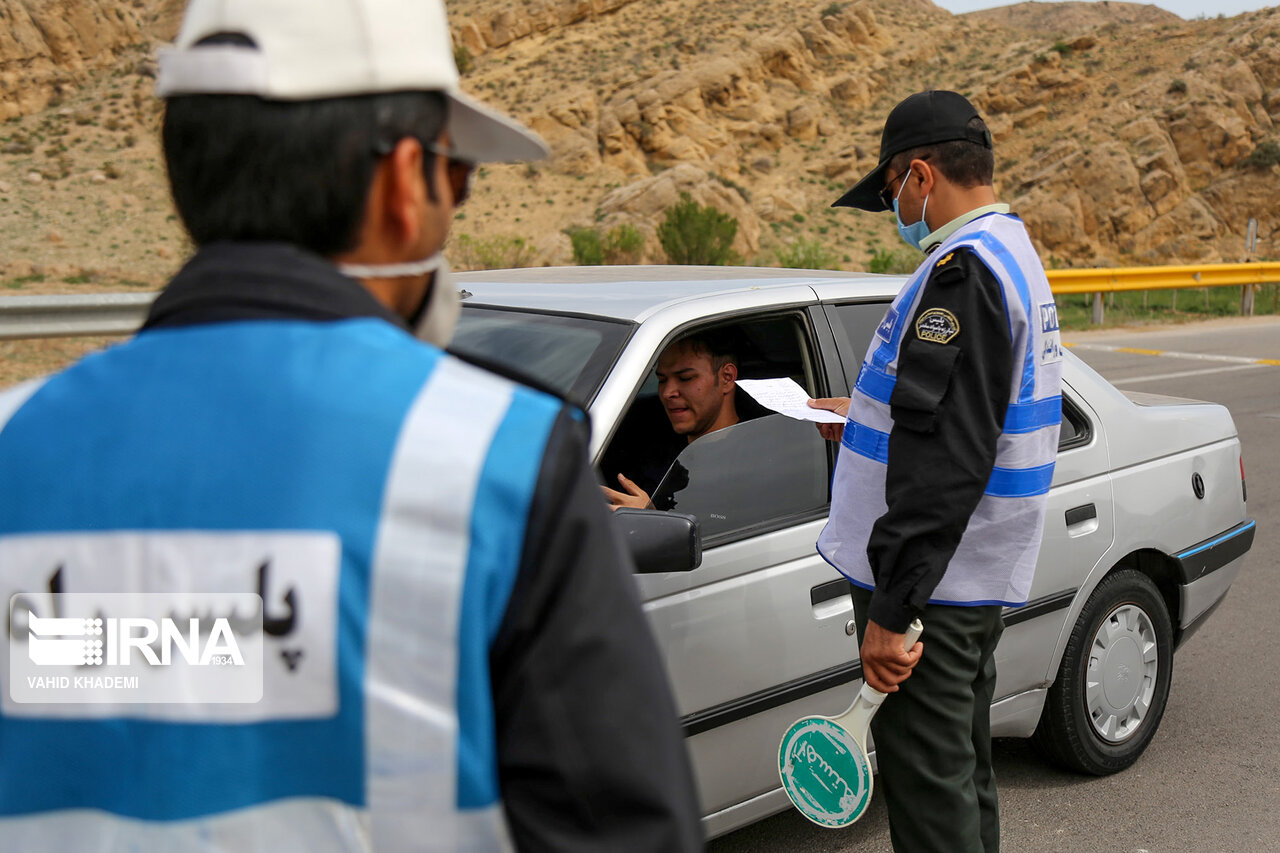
point(1223, 538)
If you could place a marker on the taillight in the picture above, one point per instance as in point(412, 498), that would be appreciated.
point(1244, 493)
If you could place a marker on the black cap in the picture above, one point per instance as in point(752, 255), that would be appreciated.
point(925, 118)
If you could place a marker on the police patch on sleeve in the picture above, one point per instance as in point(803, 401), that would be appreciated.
point(1050, 335)
point(937, 325)
point(885, 329)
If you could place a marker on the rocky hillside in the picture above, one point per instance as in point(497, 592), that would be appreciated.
point(1124, 135)
point(1051, 19)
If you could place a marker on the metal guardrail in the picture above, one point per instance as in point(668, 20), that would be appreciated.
point(73, 315)
point(122, 313)
point(1161, 278)
point(1102, 281)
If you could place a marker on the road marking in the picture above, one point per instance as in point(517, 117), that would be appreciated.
point(1184, 373)
point(1196, 356)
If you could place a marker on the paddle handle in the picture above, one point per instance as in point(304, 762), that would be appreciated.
point(914, 630)
point(859, 715)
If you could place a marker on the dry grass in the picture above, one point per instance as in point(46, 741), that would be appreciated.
point(22, 360)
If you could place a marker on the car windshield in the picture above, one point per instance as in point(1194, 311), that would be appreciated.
point(571, 355)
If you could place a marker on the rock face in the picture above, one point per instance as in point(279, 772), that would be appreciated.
point(644, 202)
point(1141, 195)
point(48, 45)
point(1123, 134)
point(482, 29)
point(1056, 18)
point(1132, 189)
point(714, 110)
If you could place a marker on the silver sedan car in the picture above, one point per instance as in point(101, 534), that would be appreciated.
point(1145, 532)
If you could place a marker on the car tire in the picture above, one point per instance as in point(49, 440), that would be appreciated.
point(1110, 693)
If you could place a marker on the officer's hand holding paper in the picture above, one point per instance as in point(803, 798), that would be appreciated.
point(786, 397)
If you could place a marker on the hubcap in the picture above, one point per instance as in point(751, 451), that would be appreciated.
point(1121, 679)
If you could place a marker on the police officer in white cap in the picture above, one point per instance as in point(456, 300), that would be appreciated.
point(454, 655)
point(944, 467)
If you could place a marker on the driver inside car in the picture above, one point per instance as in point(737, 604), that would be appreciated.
point(697, 376)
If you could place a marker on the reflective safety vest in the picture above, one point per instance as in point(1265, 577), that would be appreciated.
point(372, 490)
point(996, 557)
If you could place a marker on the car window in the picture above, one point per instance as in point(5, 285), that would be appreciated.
point(854, 325)
point(571, 355)
point(1076, 429)
point(743, 479)
point(750, 476)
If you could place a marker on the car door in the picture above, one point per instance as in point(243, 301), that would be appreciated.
point(759, 634)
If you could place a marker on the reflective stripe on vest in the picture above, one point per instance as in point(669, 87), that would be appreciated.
point(996, 557)
point(390, 747)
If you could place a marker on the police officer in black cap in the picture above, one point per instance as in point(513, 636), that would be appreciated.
point(945, 463)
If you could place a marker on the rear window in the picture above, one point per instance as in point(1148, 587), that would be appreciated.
point(569, 354)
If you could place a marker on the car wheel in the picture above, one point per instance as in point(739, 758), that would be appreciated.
point(1110, 693)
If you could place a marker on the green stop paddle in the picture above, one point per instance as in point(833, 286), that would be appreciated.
point(823, 760)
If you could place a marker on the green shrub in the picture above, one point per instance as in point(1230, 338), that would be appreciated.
point(807, 255)
point(890, 261)
point(1062, 48)
point(492, 253)
point(693, 234)
point(463, 59)
point(1179, 86)
point(622, 244)
point(833, 9)
point(1266, 155)
point(588, 248)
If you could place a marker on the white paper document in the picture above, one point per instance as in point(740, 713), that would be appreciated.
point(786, 397)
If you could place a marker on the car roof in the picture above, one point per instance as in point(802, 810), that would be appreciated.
point(631, 293)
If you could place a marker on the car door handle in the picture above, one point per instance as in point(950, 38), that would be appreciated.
point(1082, 520)
point(831, 598)
point(1079, 514)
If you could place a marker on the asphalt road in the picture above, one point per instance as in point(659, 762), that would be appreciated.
point(1210, 780)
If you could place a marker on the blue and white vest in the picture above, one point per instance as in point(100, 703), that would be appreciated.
point(996, 558)
point(386, 488)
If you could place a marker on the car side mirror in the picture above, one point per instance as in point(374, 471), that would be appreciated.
point(659, 541)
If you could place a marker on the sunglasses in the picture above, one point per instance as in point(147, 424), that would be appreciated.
point(887, 194)
point(459, 171)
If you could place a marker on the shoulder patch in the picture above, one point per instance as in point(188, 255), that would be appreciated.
point(937, 325)
point(951, 268)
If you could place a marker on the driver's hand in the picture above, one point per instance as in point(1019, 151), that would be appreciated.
point(633, 496)
point(839, 405)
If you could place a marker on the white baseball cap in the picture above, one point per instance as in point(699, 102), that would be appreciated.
point(312, 49)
